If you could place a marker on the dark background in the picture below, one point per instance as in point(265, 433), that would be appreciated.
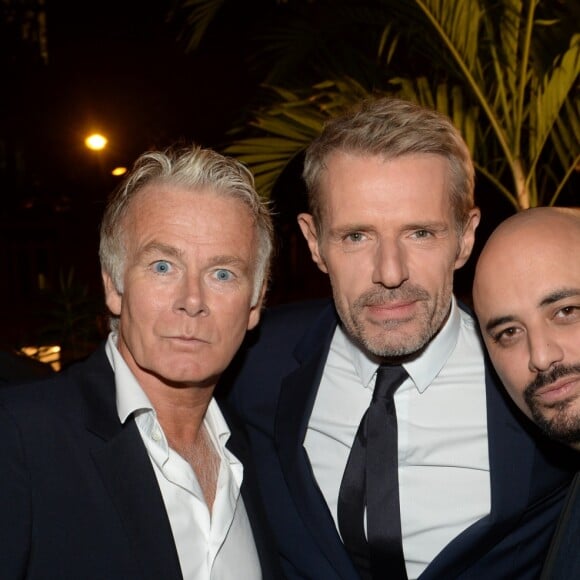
point(70, 69)
point(119, 68)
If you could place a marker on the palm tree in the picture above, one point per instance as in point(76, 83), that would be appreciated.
point(506, 72)
point(528, 109)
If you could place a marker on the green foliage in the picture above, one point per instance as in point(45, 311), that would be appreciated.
point(505, 71)
point(70, 316)
point(287, 127)
point(521, 100)
point(200, 14)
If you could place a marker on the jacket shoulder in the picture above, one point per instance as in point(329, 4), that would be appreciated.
point(267, 353)
point(59, 394)
point(294, 315)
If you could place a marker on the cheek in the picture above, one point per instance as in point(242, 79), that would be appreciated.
point(231, 330)
point(142, 306)
point(441, 270)
point(350, 272)
point(513, 371)
point(233, 313)
point(347, 289)
point(570, 343)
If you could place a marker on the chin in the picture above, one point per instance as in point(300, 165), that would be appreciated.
point(180, 375)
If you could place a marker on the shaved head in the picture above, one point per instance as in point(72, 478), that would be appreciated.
point(526, 295)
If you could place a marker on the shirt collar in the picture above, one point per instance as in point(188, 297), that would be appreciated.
point(216, 423)
point(425, 367)
point(131, 398)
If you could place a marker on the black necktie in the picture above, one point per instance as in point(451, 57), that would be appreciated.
point(371, 479)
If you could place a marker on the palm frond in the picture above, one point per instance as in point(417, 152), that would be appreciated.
point(457, 25)
point(286, 128)
point(463, 44)
point(552, 95)
point(199, 15)
point(449, 100)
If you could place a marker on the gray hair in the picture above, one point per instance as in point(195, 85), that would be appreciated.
point(391, 128)
point(194, 168)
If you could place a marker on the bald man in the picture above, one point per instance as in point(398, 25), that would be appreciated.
point(526, 295)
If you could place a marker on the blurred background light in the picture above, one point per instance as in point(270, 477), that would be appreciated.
point(96, 142)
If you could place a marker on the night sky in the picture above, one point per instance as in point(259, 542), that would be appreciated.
point(118, 67)
point(113, 67)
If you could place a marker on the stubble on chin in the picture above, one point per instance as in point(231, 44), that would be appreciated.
point(393, 339)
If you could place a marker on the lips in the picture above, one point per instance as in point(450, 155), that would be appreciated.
point(392, 305)
point(393, 309)
point(185, 339)
point(559, 390)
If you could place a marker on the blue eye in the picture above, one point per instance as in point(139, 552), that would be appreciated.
point(161, 267)
point(223, 275)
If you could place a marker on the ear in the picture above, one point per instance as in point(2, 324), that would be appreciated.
point(113, 298)
point(467, 239)
point(256, 309)
point(306, 223)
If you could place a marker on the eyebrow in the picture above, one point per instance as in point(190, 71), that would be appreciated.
point(352, 227)
point(440, 226)
point(559, 294)
point(347, 229)
point(157, 247)
point(495, 322)
point(551, 298)
point(228, 260)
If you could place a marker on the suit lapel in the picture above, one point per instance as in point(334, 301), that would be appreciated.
point(267, 550)
point(511, 460)
point(128, 475)
point(511, 457)
point(297, 396)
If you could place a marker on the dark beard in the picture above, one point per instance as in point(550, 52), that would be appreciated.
point(564, 426)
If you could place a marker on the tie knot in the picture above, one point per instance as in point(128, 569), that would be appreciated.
point(389, 379)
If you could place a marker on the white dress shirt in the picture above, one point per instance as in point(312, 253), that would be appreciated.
point(211, 546)
point(444, 483)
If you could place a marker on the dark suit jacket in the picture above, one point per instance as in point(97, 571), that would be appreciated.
point(563, 562)
point(78, 494)
point(273, 385)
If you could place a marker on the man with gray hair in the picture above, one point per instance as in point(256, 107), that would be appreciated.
point(385, 446)
point(124, 466)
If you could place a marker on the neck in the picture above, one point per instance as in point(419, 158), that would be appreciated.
point(182, 420)
point(181, 411)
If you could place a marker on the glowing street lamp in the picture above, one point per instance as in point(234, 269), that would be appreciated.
point(96, 142)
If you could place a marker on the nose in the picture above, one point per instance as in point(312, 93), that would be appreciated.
point(390, 264)
point(191, 297)
point(545, 351)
